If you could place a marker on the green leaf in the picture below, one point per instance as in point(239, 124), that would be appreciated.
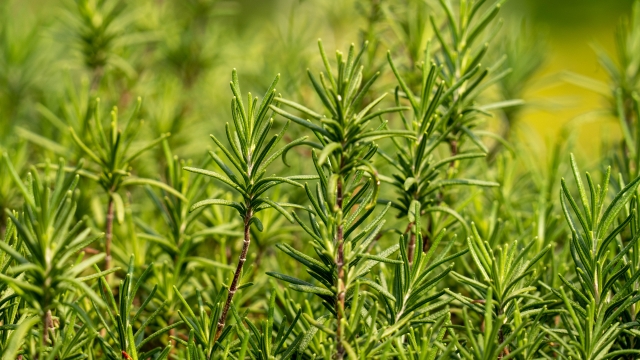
point(209, 263)
point(85, 148)
point(130, 181)
point(379, 259)
point(287, 278)
point(502, 104)
point(618, 202)
point(300, 121)
point(378, 288)
point(208, 202)
point(279, 208)
point(299, 107)
point(311, 289)
point(119, 206)
point(414, 210)
point(258, 223)
point(464, 182)
point(328, 150)
point(146, 147)
point(16, 178)
point(42, 141)
point(217, 176)
point(408, 183)
point(17, 337)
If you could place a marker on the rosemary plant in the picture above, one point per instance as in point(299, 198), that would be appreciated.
point(120, 313)
point(413, 221)
point(603, 289)
point(349, 184)
point(109, 150)
point(250, 152)
point(47, 231)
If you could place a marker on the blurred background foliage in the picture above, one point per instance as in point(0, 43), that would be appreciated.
point(572, 28)
point(189, 46)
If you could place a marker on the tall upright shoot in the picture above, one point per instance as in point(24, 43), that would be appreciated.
point(348, 177)
point(110, 154)
point(250, 152)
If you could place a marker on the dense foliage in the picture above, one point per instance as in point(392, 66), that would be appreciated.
point(384, 204)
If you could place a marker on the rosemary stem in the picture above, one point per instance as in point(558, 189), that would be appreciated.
point(236, 276)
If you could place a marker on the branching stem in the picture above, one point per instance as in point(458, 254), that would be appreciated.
point(47, 323)
point(236, 276)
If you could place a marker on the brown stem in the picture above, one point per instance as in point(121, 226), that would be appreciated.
point(425, 239)
point(236, 277)
point(341, 281)
point(453, 146)
point(108, 234)
point(3, 223)
point(47, 323)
